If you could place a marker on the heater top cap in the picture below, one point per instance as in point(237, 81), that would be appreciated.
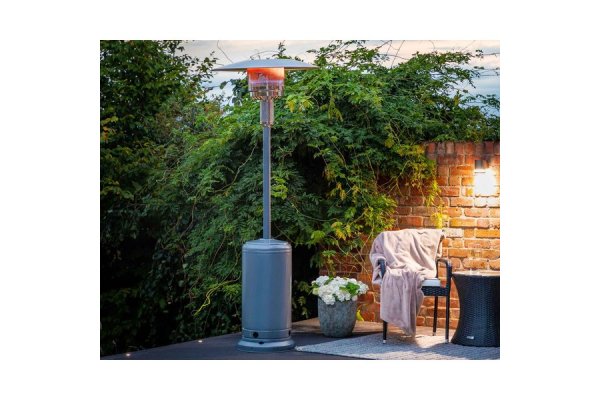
point(271, 63)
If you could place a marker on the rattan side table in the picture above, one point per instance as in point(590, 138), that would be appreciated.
point(479, 297)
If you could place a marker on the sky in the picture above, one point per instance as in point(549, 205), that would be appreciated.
point(230, 51)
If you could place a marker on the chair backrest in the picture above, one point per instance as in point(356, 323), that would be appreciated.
point(409, 248)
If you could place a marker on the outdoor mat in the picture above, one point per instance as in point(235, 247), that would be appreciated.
point(421, 347)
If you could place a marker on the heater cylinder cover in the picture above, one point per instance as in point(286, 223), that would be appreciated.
point(266, 295)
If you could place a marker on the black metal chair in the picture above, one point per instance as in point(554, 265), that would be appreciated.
point(430, 287)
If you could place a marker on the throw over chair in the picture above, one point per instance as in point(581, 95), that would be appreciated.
point(430, 286)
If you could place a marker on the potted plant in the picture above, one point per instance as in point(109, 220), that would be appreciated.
point(337, 304)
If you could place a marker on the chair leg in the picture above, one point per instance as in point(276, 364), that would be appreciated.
point(435, 307)
point(384, 332)
point(447, 315)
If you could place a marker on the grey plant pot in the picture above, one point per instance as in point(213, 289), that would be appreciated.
point(337, 320)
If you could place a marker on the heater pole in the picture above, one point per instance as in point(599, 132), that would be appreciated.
point(266, 119)
point(266, 182)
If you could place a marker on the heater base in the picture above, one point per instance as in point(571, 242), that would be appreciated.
point(266, 296)
point(259, 346)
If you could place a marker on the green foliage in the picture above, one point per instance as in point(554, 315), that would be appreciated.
point(300, 306)
point(148, 91)
point(181, 177)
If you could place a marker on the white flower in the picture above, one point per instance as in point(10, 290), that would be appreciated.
point(363, 288)
point(321, 280)
point(324, 291)
point(337, 289)
point(328, 299)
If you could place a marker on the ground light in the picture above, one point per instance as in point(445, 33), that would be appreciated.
point(266, 262)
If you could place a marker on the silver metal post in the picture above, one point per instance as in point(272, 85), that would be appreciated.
point(266, 182)
point(266, 119)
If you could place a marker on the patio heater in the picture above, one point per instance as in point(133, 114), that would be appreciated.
point(266, 262)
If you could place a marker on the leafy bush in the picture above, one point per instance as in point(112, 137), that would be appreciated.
point(147, 90)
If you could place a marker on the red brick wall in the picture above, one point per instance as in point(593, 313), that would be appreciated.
point(472, 225)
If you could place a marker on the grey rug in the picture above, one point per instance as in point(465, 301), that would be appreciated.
point(421, 347)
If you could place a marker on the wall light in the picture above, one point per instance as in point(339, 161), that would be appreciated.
point(485, 180)
point(480, 166)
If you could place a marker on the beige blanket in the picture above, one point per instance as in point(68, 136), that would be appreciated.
point(410, 257)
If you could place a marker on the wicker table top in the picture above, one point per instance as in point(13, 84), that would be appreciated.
point(478, 273)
